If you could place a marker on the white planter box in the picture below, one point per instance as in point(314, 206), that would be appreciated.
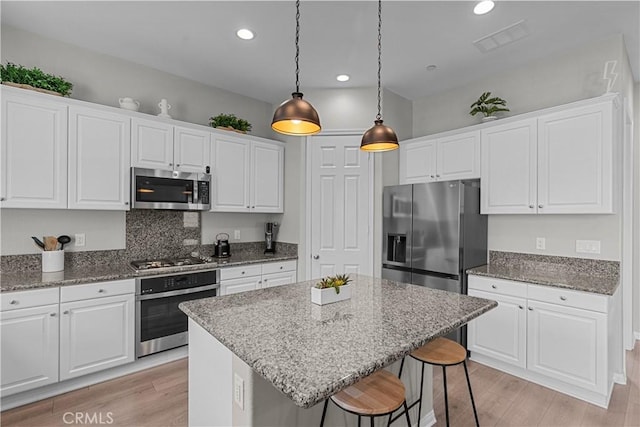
point(329, 295)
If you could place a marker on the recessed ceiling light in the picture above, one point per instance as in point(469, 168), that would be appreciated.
point(431, 67)
point(485, 6)
point(245, 34)
point(342, 77)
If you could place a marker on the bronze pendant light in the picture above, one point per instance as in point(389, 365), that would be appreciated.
point(379, 137)
point(296, 116)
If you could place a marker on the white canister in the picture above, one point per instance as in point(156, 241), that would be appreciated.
point(52, 261)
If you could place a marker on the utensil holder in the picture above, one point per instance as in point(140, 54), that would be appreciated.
point(52, 261)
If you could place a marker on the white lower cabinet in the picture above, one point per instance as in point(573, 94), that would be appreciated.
point(257, 276)
point(29, 340)
point(562, 339)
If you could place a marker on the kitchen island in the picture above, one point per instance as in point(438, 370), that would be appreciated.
point(282, 355)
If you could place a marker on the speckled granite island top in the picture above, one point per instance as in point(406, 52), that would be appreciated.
point(587, 275)
point(26, 280)
point(310, 352)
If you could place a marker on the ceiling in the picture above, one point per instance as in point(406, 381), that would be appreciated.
point(197, 39)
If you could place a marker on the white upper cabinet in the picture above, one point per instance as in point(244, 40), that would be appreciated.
point(248, 175)
point(509, 168)
point(99, 150)
point(553, 163)
point(157, 145)
point(443, 158)
point(34, 151)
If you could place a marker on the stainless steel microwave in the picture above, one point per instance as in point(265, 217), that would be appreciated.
point(165, 189)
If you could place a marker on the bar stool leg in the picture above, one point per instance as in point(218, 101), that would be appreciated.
point(473, 403)
point(406, 412)
point(324, 412)
point(446, 398)
point(371, 418)
point(359, 420)
point(421, 388)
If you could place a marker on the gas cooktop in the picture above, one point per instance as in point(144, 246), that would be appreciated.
point(152, 264)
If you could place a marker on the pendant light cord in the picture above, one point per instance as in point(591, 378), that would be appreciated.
point(379, 116)
point(297, 45)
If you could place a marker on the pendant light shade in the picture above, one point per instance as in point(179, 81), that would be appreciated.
point(296, 116)
point(379, 137)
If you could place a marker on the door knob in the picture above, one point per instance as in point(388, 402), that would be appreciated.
point(316, 257)
point(531, 206)
point(540, 206)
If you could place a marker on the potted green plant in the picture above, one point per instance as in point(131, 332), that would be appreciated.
point(34, 79)
point(230, 122)
point(331, 289)
point(488, 106)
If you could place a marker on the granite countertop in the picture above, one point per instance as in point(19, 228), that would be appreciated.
point(310, 352)
point(35, 279)
point(552, 274)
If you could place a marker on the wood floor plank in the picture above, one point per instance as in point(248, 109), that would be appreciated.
point(565, 411)
point(26, 412)
point(529, 406)
point(632, 417)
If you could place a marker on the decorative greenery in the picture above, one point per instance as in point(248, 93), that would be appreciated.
point(488, 106)
point(34, 77)
point(230, 120)
point(333, 282)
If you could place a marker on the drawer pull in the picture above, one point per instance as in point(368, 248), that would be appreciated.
point(520, 307)
point(280, 267)
point(494, 287)
point(265, 280)
point(531, 206)
point(530, 308)
point(52, 314)
point(101, 291)
point(242, 272)
point(540, 206)
point(65, 312)
point(14, 302)
point(563, 298)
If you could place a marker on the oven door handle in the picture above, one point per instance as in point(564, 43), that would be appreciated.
point(177, 292)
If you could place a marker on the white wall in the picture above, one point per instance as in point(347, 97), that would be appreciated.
point(559, 79)
point(636, 210)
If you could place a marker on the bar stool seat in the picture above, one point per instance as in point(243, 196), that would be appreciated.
point(381, 393)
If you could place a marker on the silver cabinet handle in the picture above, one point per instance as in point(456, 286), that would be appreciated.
point(437, 176)
point(563, 298)
point(242, 272)
point(178, 165)
point(14, 302)
point(316, 257)
point(265, 280)
point(520, 307)
point(494, 286)
point(247, 207)
point(126, 203)
point(432, 176)
point(101, 291)
point(531, 206)
point(170, 164)
point(253, 207)
point(540, 206)
point(280, 267)
point(530, 308)
point(65, 312)
point(52, 314)
point(2, 199)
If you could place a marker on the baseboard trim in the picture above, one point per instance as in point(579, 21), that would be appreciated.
point(30, 396)
point(428, 420)
point(619, 379)
point(637, 335)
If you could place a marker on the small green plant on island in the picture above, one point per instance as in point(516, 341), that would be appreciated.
point(488, 106)
point(34, 77)
point(230, 121)
point(333, 282)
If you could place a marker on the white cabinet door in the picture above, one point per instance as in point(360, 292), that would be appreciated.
point(192, 150)
point(277, 279)
point(267, 183)
point(509, 168)
point(29, 348)
point(151, 144)
point(567, 344)
point(96, 334)
point(500, 333)
point(34, 152)
point(418, 161)
point(458, 156)
point(234, 286)
point(231, 175)
point(99, 159)
point(575, 160)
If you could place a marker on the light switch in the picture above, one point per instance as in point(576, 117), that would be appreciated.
point(588, 246)
point(236, 234)
point(79, 240)
point(238, 390)
point(541, 243)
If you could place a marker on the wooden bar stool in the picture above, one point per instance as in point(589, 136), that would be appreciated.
point(442, 352)
point(381, 393)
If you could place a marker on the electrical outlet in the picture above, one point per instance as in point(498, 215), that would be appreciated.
point(541, 243)
point(236, 234)
point(238, 390)
point(588, 246)
point(79, 240)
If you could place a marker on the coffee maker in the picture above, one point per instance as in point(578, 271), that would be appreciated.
point(269, 237)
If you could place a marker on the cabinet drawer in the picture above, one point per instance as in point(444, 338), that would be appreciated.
point(242, 271)
point(277, 267)
point(97, 290)
point(569, 298)
point(26, 299)
point(500, 286)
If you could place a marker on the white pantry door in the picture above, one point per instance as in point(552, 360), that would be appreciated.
point(341, 206)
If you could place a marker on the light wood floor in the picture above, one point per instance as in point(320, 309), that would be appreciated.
point(158, 397)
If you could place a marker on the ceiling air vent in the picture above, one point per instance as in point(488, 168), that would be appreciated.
point(502, 37)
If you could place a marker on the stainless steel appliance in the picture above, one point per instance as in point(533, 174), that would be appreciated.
point(269, 237)
point(222, 249)
point(164, 189)
point(160, 325)
point(432, 233)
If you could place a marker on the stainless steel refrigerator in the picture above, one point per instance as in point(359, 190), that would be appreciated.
point(432, 233)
